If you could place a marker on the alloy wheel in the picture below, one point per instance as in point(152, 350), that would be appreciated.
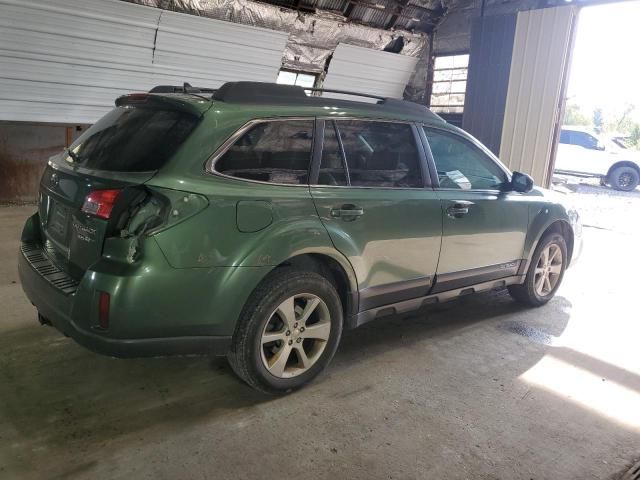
point(548, 270)
point(295, 335)
point(625, 180)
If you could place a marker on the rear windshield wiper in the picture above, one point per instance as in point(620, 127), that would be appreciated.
point(73, 155)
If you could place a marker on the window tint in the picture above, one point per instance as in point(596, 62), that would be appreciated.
point(332, 170)
point(132, 139)
point(380, 154)
point(462, 165)
point(271, 151)
point(584, 140)
point(564, 136)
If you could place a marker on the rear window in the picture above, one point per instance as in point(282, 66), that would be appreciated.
point(132, 139)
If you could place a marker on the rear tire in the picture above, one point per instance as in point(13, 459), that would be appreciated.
point(625, 179)
point(545, 272)
point(288, 331)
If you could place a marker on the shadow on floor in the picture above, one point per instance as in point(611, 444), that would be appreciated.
point(55, 391)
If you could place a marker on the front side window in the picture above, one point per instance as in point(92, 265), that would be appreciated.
point(380, 154)
point(461, 165)
point(277, 151)
point(584, 140)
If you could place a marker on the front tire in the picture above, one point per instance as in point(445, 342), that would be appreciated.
point(625, 179)
point(545, 273)
point(288, 331)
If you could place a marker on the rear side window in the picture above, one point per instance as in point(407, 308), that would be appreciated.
point(380, 154)
point(584, 140)
point(332, 171)
point(276, 151)
point(132, 139)
point(564, 136)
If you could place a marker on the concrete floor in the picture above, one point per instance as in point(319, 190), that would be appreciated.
point(479, 388)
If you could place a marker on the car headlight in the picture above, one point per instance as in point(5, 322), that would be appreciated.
point(575, 221)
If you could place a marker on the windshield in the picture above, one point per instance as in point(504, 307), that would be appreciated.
point(129, 139)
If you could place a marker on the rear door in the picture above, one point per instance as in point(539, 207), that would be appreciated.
point(484, 228)
point(579, 152)
point(369, 190)
point(123, 149)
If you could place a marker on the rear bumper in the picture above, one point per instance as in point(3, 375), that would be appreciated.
point(55, 307)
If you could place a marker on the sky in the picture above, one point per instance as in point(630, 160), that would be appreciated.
point(605, 70)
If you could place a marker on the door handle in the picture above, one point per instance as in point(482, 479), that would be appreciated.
point(347, 212)
point(459, 208)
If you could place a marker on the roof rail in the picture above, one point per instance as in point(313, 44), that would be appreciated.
point(345, 92)
point(274, 93)
point(250, 92)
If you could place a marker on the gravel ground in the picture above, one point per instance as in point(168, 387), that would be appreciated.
point(603, 207)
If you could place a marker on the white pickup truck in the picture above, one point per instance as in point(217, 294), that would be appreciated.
point(585, 153)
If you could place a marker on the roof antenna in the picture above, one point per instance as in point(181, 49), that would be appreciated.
point(186, 87)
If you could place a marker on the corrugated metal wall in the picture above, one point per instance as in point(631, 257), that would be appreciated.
point(211, 52)
point(488, 79)
point(65, 61)
point(24, 148)
point(538, 70)
point(369, 71)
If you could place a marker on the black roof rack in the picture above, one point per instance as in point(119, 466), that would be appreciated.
point(263, 93)
point(185, 88)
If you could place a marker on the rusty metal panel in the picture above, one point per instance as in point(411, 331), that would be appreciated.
point(538, 69)
point(24, 150)
point(488, 79)
point(21, 158)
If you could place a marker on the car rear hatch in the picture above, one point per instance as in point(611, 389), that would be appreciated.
point(91, 190)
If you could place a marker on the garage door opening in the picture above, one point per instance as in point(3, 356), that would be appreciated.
point(599, 140)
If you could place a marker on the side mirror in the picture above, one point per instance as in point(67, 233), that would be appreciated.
point(521, 182)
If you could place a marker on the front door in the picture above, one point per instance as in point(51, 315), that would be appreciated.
point(581, 152)
point(371, 197)
point(484, 228)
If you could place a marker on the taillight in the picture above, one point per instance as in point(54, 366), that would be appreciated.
point(100, 202)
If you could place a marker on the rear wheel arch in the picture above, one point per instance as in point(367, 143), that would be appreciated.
point(334, 270)
point(623, 176)
point(624, 163)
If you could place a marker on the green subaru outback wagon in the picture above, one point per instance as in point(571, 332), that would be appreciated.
point(257, 222)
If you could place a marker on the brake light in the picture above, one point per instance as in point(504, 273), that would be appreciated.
point(138, 97)
point(103, 310)
point(131, 99)
point(100, 202)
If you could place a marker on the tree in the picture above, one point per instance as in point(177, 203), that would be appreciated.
point(634, 137)
point(598, 120)
point(623, 122)
point(574, 116)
